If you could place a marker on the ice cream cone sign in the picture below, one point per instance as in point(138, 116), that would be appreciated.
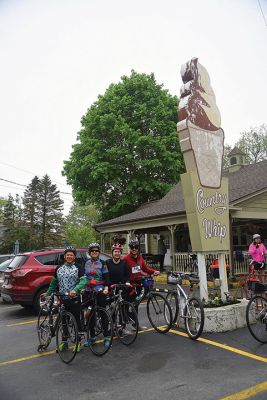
point(201, 137)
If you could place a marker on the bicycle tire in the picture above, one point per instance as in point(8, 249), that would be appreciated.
point(256, 318)
point(96, 343)
point(157, 306)
point(198, 311)
point(172, 299)
point(126, 323)
point(44, 329)
point(67, 333)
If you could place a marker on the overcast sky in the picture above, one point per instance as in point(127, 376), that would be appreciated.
point(58, 55)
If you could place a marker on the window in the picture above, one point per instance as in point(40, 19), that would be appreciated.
point(142, 242)
point(233, 160)
point(47, 259)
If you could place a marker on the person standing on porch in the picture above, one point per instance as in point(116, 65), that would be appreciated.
point(258, 252)
point(162, 250)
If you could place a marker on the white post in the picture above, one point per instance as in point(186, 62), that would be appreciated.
point(223, 275)
point(202, 276)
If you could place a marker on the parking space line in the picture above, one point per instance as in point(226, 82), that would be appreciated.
point(224, 346)
point(248, 393)
point(23, 323)
point(179, 333)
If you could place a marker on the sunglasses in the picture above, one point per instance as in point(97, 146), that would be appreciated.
point(134, 247)
point(94, 251)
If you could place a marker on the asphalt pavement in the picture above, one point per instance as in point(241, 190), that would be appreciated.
point(156, 366)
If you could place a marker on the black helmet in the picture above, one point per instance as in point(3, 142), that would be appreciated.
point(93, 246)
point(70, 249)
point(134, 243)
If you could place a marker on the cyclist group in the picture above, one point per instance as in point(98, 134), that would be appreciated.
point(95, 277)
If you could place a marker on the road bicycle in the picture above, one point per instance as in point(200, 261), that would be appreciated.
point(188, 309)
point(55, 320)
point(98, 325)
point(157, 307)
point(123, 314)
point(256, 312)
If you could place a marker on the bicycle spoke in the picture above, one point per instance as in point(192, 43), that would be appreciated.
point(67, 337)
point(256, 316)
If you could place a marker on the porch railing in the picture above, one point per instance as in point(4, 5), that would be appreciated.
point(184, 263)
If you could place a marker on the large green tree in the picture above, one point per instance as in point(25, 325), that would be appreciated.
point(128, 151)
point(31, 212)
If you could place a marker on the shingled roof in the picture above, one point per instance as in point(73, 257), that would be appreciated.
point(248, 180)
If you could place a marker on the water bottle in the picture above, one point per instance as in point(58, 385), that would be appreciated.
point(182, 305)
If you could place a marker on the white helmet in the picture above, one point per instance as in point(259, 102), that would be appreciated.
point(256, 236)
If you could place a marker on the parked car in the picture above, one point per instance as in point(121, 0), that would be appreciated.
point(29, 275)
point(3, 267)
point(4, 257)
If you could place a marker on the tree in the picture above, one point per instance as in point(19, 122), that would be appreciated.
point(14, 228)
point(226, 161)
point(128, 151)
point(49, 210)
point(254, 144)
point(30, 212)
point(78, 229)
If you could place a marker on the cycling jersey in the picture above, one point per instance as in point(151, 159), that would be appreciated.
point(96, 273)
point(257, 253)
point(65, 278)
point(137, 267)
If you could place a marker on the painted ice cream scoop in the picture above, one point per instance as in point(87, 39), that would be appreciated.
point(201, 137)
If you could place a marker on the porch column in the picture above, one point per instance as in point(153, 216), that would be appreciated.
point(102, 241)
point(231, 255)
point(172, 229)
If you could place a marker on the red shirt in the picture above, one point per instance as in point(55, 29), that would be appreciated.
point(137, 267)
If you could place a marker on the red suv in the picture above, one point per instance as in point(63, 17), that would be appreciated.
point(29, 275)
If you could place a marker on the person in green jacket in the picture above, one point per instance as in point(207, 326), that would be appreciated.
point(66, 277)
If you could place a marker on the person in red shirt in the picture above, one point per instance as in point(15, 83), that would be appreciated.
point(137, 268)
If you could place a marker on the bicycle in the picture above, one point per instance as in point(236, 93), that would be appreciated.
point(158, 309)
point(183, 307)
point(123, 314)
point(55, 320)
point(98, 327)
point(256, 312)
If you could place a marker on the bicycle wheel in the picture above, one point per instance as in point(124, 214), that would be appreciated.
point(256, 317)
point(172, 299)
point(194, 318)
point(45, 320)
point(67, 337)
point(99, 331)
point(126, 323)
point(159, 312)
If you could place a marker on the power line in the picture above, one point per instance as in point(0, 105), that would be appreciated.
point(263, 16)
point(20, 184)
point(28, 172)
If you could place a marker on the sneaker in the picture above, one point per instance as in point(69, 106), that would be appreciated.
point(107, 342)
point(126, 332)
point(63, 346)
point(90, 342)
point(78, 346)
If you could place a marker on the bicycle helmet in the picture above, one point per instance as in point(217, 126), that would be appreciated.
point(256, 236)
point(116, 246)
point(133, 243)
point(93, 246)
point(70, 249)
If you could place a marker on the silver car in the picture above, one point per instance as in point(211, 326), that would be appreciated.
point(3, 267)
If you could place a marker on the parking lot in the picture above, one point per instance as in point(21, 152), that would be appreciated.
point(229, 366)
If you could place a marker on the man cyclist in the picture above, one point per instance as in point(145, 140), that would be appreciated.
point(137, 268)
point(257, 251)
point(66, 277)
point(95, 279)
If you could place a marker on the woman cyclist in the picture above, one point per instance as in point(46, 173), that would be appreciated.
point(95, 279)
point(257, 251)
point(66, 277)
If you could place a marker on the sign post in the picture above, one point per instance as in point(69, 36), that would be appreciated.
point(205, 191)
